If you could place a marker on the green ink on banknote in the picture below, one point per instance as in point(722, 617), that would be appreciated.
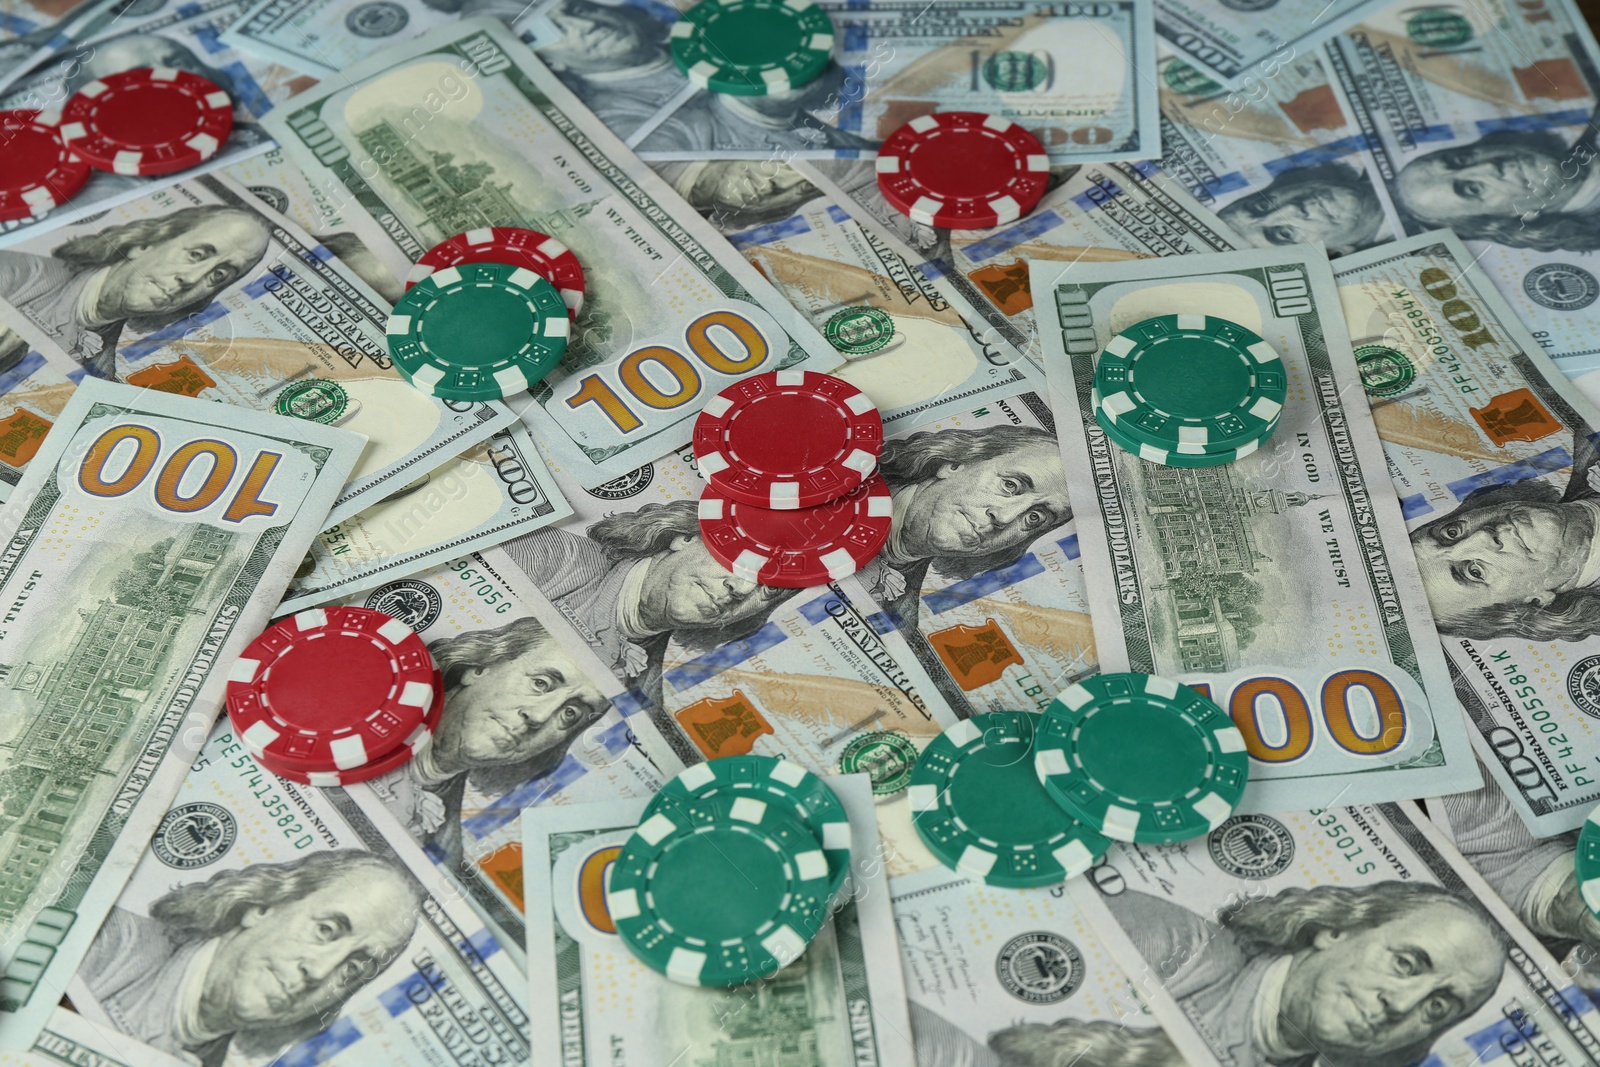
point(1437, 28)
point(1015, 72)
point(857, 331)
point(1384, 371)
point(886, 756)
point(315, 400)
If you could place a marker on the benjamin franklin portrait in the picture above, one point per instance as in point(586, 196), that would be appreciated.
point(1522, 188)
point(1518, 560)
point(1067, 1042)
point(139, 276)
point(254, 960)
point(1331, 202)
point(1536, 876)
point(1361, 976)
point(639, 580)
point(965, 502)
point(514, 701)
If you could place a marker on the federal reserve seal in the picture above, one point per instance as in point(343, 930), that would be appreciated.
point(1040, 968)
point(194, 835)
point(1251, 846)
point(314, 399)
point(631, 484)
point(417, 604)
point(886, 756)
point(378, 19)
point(1561, 286)
point(272, 196)
point(1583, 685)
point(857, 331)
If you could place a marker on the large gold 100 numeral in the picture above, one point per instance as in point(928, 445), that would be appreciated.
point(1300, 725)
point(702, 344)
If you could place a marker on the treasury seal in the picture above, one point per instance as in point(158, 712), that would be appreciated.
point(315, 400)
point(857, 331)
point(887, 758)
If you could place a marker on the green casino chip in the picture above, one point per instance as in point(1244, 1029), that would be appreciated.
point(752, 47)
point(1588, 861)
point(1176, 459)
point(478, 331)
point(777, 781)
point(719, 891)
point(1142, 758)
point(1190, 385)
point(979, 807)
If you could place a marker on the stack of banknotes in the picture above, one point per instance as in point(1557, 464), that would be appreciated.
point(1399, 198)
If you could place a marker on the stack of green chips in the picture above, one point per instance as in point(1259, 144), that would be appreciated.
point(1025, 800)
point(732, 872)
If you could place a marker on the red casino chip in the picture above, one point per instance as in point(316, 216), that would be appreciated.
point(795, 549)
point(540, 253)
point(419, 740)
point(788, 439)
point(963, 170)
point(40, 171)
point(331, 689)
point(150, 120)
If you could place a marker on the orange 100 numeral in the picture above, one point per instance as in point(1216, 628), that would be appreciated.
point(593, 389)
point(1298, 728)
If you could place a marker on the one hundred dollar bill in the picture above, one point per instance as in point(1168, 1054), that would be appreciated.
point(354, 237)
point(144, 548)
point(902, 341)
point(725, 666)
point(843, 1002)
point(615, 56)
point(1480, 121)
point(1492, 454)
point(1353, 935)
point(1230, 39)
point(1005, 976)
point(1278, 159)
point(981, 577)
point(1091, 214)
point(465, 128)
point(1283, 583)
point(498, 490)
point(19, 18)
point(200, 288)
point(530, 717)
point(32, 31)
point(1077, 75)
point(33, 393)
point(69, 1040)
point(271, 922)
point(182, 36)
point(33, 390)
point(1536, 877)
